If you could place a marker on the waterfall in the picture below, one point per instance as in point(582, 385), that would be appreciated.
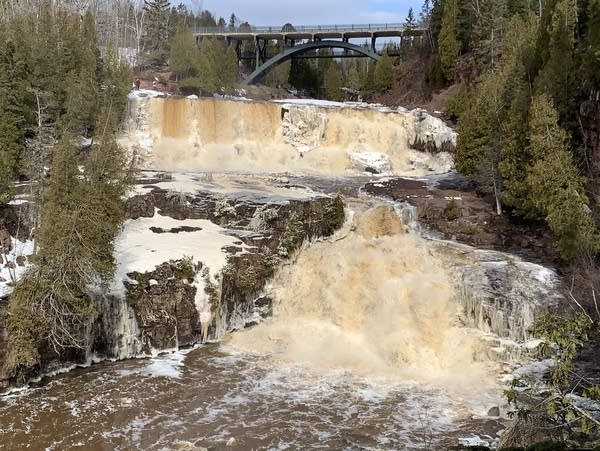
point(217, 134)
point(377, 302)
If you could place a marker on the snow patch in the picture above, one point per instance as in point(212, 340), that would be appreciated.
point(8, 275)
point(18, 202)
point(142, 93)
point(139, 249)
point(376, 161)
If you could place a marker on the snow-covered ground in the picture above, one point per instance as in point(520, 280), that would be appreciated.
point(10, 275)
point(140, 249)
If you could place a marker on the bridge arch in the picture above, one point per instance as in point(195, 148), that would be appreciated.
point(298, 49)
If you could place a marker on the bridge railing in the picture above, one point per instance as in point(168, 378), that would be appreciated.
point(301, 28)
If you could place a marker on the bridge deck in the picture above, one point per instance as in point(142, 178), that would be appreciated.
point(312, 32)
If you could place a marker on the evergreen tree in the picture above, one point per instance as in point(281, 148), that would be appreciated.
point(425, 13)
point(156, 37)
point(448, 43)
point(487, 31)
point(517, 65)
point(384, 73)
point(558, 76)
point(233, 20)
point(410, 22)
point(592, 52)
point(208, 68)
point(353, 78)
point(184, 53)
point(556, 188)
point(228, 70)
point(333, 82)
point(11, 118)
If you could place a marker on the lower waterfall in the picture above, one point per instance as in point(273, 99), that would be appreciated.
point(377, 302)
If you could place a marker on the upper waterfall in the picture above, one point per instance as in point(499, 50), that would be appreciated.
point(286, 136)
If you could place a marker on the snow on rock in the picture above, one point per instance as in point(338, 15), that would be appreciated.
point(371, 161)
point(18, 202)
point(14, 264)
point(315, 102)
point(429, 128)
point(141, 93)
point(139, 249)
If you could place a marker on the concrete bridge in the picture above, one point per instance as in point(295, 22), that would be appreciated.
point(298, 40)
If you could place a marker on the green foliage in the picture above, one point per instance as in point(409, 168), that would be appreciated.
point(384, 73)
point(448, 43)
point(592, 50)
point(183, 269)
point(555, 186)
point(292, 237)
point(477, 129)
point(184, 55)
point(487, 31)
point(334, 214)
point(333, 82)
point(217, 67)
point(458, 104)
point(558, 75)
point(304, 76)
point(246, 281)
point(156, 36)
point(452, 210)
point(12, 112)
point(563, 337)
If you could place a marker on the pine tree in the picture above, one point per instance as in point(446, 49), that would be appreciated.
point(592, 53)
point(487, 31)
point(557, 191)
point(448, 43)
point(353, 78)
point(156, 37)
point(184, 53)
point(333, 82)
point(517, 65)
point(233, 20)
point(410, 22)
point(558, 76)
point(384, 73)
point(228, 70)
point(11, 117)
point(208, 69)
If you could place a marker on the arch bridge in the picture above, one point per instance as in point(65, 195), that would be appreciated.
point(297, 41)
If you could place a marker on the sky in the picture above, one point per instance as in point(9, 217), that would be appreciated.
point(310, 12)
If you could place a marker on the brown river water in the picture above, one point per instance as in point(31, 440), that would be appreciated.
point(211, 394)
point(360, 354)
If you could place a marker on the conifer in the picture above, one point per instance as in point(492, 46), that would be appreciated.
point(448, 44)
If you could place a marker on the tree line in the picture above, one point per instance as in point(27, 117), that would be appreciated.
point(524, 68)
point(61, 101)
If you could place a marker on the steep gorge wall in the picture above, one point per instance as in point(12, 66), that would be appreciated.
point(218, 134)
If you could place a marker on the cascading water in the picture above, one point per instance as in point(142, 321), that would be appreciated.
point(377, 302)
point(212, 134)
point(366, 347)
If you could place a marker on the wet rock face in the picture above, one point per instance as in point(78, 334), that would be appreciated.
point(472, 220)
point(139, 206)
point(165, 299)
point(165, 310)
